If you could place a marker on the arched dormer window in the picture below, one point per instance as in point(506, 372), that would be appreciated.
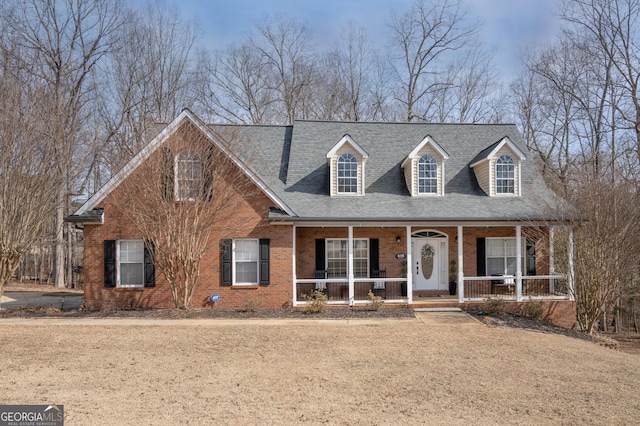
point(188, 175)
point(347, 166)
point(428, 174)
point(505, 175)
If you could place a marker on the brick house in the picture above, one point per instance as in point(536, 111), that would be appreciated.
point(412, 212)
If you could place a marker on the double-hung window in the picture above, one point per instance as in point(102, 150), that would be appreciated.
point(347, 174)
point(428, 174)
point(501, 254)
point(188, 176)
point(337, 258)
point(131, 263)
point(245, 261)
point(128, 264)
point(505, 175)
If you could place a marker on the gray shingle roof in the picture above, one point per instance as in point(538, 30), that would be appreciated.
point(292, 161)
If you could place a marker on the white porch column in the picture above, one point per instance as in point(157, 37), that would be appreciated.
point(572, 271)
point(460, 266)
point(350, 266)
point(293, 267)
point(409, 267)
point(519, 263)
point(552, 266)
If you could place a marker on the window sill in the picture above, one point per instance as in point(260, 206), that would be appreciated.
point(247, 286)
point(129, 289)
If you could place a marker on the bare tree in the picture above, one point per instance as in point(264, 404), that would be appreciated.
point(606, 255)
point(611, 26)
point(192, 187)
point(64, 41)
point(238, 89)
point(283, 46)
point(148, 79)
point(28, 175)
point(424, 36)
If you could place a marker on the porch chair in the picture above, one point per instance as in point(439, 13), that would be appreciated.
point(380, 286)
point(320, 274)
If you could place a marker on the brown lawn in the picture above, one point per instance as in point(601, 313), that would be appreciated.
point(391, 372)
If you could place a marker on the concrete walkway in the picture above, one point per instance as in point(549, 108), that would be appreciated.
point(445, 317)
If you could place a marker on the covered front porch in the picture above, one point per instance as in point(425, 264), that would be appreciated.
point(416, 263)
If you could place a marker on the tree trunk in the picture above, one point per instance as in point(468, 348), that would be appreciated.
point(59, 242)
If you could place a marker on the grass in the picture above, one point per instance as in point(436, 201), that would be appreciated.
point(389, 372)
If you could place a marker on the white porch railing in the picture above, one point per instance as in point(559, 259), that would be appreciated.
point(506, 287)
point(337, 289)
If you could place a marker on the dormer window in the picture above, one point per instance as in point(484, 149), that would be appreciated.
point(498, 169)
point(424, 169)
point(347, 174)
point(428, 174)
point(188, 176)
point(505, 175)
point(347, 162)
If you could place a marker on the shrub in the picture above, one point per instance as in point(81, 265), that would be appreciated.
point(496, 307)
point(317, 302)
point(376, 301)
point(250, 305)
point(534, 309)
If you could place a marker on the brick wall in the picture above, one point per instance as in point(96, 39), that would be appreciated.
point(244, 217)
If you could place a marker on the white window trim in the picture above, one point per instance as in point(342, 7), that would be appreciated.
point(176, 174)
point(233, 262)
point(118, 270)
point(326, 254)
point(516, 172)
point(523, 255)
point(438, 164)
point(358, 164)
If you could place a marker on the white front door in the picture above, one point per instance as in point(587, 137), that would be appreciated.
point(429, 269)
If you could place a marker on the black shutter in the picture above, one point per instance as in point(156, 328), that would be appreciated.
point(168, 174)
point(374, 255)
point(481, 258)
point(110, 263)
point(207, 174)
point(320, 260)
point(530, 257)
point(149, 266)
point(264, 260)
point(225, 262)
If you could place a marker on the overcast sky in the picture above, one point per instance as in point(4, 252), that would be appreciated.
point(510, 26)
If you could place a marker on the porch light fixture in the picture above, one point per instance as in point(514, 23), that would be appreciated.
point(398, 239)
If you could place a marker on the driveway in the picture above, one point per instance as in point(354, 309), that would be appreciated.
point(60, 299)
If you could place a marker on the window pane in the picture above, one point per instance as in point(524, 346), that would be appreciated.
point(246, 250)
point(360, 268)
point(247, 272)
point(189, 175)
point(495, 266)
point(131, 274)
point(131, 263)
point(337, 268)
point(246, 261)
point(428, 174)
point(347, 173)
point(495, 247)
point(505, 175)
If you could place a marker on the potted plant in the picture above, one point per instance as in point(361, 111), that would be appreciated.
point(453, 285)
